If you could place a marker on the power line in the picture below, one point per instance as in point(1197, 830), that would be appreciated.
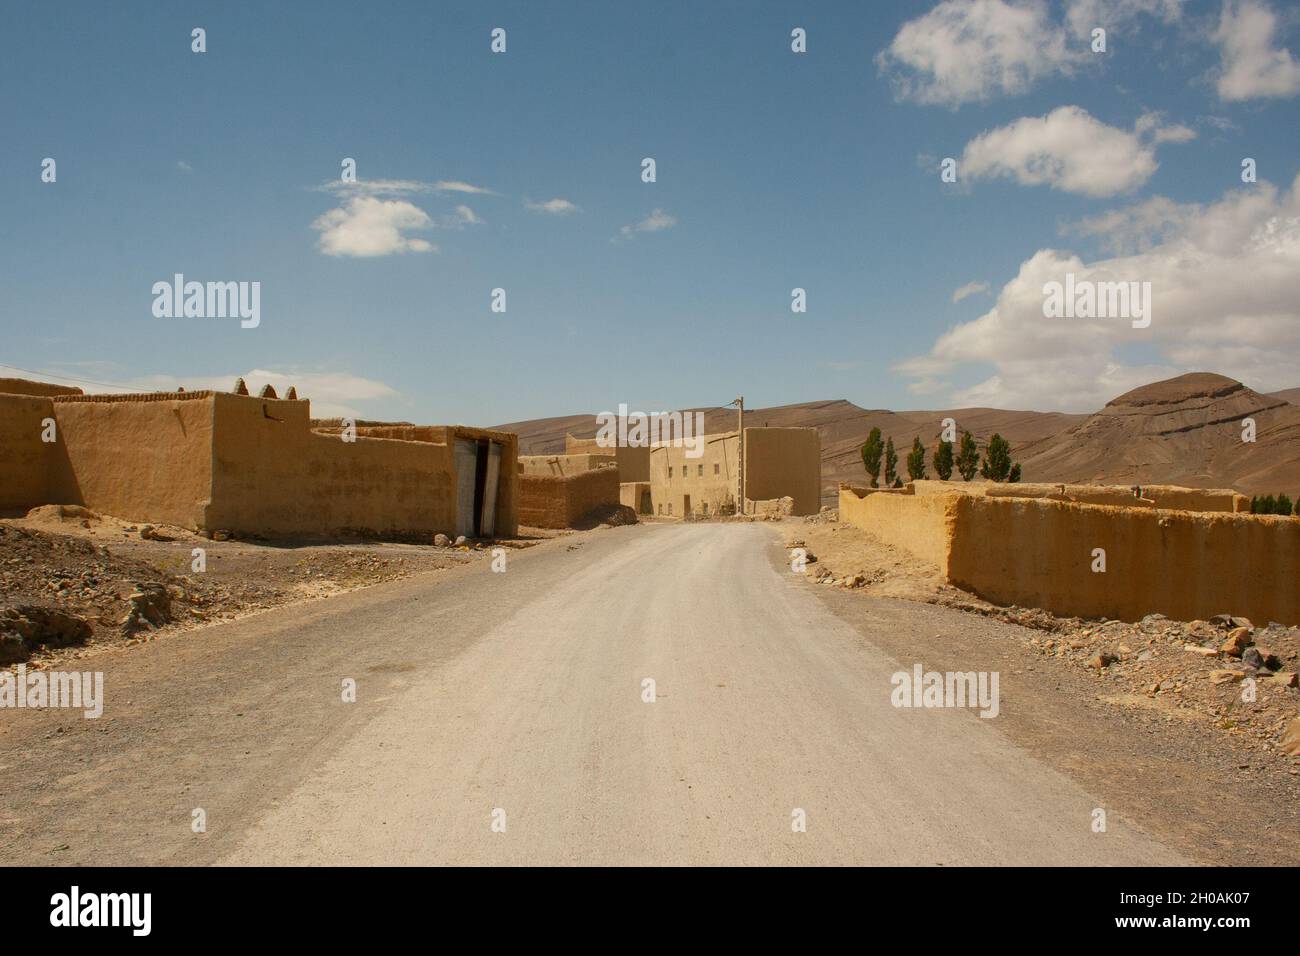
point(69, 378)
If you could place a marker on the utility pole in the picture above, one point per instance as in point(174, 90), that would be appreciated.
point(740, 454)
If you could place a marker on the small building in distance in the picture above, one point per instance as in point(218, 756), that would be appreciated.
point(633, 461)
point(779, 463)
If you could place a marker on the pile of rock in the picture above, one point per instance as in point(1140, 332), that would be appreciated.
point(27, 628)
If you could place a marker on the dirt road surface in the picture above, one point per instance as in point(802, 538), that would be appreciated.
point(517, 697)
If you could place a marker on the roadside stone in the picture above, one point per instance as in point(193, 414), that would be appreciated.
point(1225, 676)
point(441, 540)
point(221, 535)
point(151, 607)
point(1285, 678)
point(1253, 658)
point(1228, 622)
point(1102, 659)
point(1237, 642)
point(460, 540)
point(1290, 743)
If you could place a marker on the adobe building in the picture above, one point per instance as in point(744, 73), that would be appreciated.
point(567, 501)
point(633, 461)
point(565, 498)
point(1185, 553)
point(210, 461)
point(779, 463)
point(560, 466)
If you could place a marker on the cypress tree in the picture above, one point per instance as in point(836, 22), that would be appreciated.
point(997, 460)
point(871, 450)
point(968, 457)
point(916, 461)
point(943, 460)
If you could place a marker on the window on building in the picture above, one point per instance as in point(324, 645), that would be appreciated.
point(670, 471)
point(715, 468)
point(700, 471)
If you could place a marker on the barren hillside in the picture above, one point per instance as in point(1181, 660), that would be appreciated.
point(1185, 430)
point(843, 428)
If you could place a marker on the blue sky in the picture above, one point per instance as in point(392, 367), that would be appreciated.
point(775, 170)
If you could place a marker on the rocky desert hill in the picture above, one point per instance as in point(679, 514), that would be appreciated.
point(1185, 430)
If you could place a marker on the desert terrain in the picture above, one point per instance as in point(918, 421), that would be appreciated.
point(1183, 431)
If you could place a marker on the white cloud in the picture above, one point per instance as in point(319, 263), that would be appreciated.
point(461, 217)
point(1084, 15)
point(969, 289)
point(365, 226)
point(1152, 125)
point(973, 50)
point(555, 207)
point(452, 186)
point(398, 187)
point(184, 166)
point(1225, 283)
point(1252, 64)
point(1070, 150)
point(657, 221)
point(1135, 228)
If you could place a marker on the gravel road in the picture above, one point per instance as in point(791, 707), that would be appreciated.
point(517, 699)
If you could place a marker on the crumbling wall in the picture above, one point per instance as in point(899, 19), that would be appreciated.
point(560, 465)
point(784, 462)
point(506, 522)
point(274, 475)
point(633, 461)
point(547, 501)
point(1177, 563)
point(22, 386)
point(921, 525)
point(144, 457)
point(218, 461)
point(1169, 497)
point(1039, 552)
point(637, 496)
point(26, 462)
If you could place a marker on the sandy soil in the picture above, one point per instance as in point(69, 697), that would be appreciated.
point(1170, 675)
point(89, 565)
